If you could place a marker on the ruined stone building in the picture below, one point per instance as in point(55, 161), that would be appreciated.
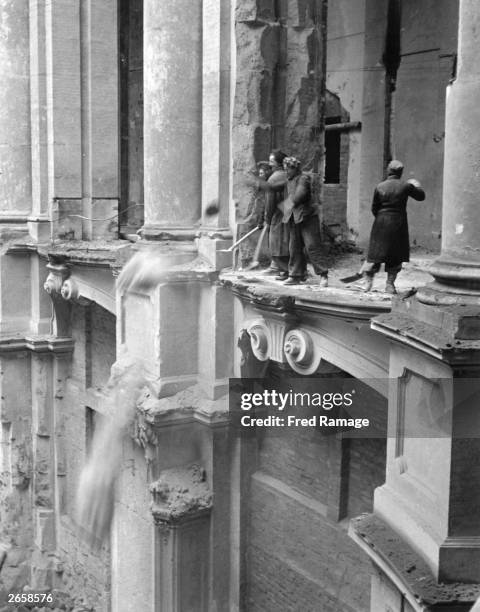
point(126, 119)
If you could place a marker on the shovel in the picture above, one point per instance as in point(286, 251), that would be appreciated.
point(352, 278)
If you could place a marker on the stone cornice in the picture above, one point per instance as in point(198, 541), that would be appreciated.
point(94, 253)
point(427, 339)
point(333, 302)
point(406, 569)
point(36, 344)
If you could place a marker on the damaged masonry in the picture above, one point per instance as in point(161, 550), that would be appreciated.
point(132, 139)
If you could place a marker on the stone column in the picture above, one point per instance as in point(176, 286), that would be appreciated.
point(216, 133)
point(172, 118)
point(49, 369)
point(15, 162)
point(216, 162)
point(181, 507)
point(457, 271)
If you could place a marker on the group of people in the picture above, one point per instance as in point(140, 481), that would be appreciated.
point(291, 216)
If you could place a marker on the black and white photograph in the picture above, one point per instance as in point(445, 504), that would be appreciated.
point(240, 305)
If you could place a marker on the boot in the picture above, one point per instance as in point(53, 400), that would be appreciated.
point(390, 286)
point(323, 281)
point(366, 283)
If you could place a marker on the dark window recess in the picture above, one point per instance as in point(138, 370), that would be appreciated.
point(89, 429)
point(131, 115)
point(332, 152)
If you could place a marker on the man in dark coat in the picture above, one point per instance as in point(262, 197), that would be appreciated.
point(301, 213)
point(389, 242)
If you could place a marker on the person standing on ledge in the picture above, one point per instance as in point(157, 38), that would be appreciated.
point(274, 186)
point(277, 230)
point(389, 241)
point(301, 213)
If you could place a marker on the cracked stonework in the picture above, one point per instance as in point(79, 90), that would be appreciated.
point(180, 493)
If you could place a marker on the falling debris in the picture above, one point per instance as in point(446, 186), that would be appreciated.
point(144, 270)
point(96, 490)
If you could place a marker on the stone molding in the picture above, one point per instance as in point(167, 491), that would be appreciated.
point(334, 302)
point(302, 355)
point(427, 339)
point(406, 569)
point(92, 284)
point(163, 233)
point(69, 290)
point(36, 344)
point(274, 339)
point(260, 339)
point(59, 272)
point(180, 494)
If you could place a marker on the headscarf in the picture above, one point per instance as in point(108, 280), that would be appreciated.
point(291, 162)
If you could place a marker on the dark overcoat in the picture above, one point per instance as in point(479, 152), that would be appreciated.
point(278, 236)
point(389, 241)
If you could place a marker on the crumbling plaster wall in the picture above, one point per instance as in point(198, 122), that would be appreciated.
point(344, 77)
point(85, 573)
point(16, 464)
point(305, 487)
point(279, 93)
point(355, 71)
point(428, 47)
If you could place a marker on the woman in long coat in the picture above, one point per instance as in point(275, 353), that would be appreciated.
point(278, 233)
point(389, 240)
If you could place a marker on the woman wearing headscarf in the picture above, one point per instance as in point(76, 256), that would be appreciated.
point(278, 233)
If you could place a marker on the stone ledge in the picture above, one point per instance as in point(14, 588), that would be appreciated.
point(458, 321)
point(436, 341)
point(406, 569)
point(188, 404)
point(92, 253)
point(87, 252)
point(273, 295)
point(36, 344)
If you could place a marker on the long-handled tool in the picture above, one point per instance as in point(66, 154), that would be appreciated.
point(352, 278)
point(239, 241)
point(256, 255)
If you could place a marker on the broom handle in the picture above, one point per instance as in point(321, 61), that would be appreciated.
point(259, 244)
point(235, 244)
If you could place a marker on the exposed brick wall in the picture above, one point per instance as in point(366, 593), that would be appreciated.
point(296, 457)
point(367, 457)
point(366, 472)
point(300, 561)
